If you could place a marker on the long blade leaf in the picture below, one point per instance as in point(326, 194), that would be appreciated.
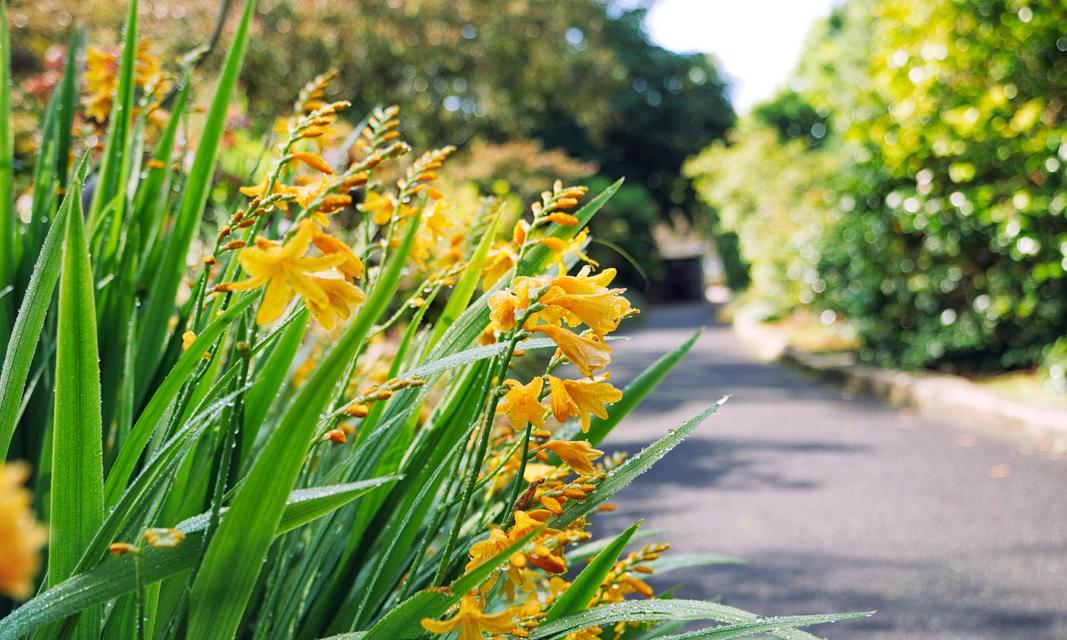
point(30, 319)
point(624, 474)
point(577, 597)
point(117, 575)
point(77, 456)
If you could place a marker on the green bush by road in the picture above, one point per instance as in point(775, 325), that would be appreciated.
point(926, 200)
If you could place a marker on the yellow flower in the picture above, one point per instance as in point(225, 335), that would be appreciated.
point(485, 550)
point(560, 248)
point(581, 398)
point(101, 77)
point(380, 207)
point(524, 288)
point(258, 189)
point(164, 538)
point(306, 193)
point(500, 260)
point(524, 524)
point(586, 353)
point(287, 273)
point(547, 560)
point(578, 454)
point(601, 311)
point(502, 310)
point(148, 72)
point(582, 283)
point(521, 403)
point(20, 536)
point(101, 69)
point(329, 245)
point(438, 220)
point(313, 160)
point(341, 296)
point(563, 219)
point(471, 620)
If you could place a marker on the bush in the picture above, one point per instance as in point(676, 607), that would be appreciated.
point(951, 251)
point(770, 189)
point(930, 210)
point(294, 440)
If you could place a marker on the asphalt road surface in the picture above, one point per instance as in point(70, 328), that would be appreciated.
point(841, 503)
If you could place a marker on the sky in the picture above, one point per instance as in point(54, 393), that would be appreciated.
point(756, 42)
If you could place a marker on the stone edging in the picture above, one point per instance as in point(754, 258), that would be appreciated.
point(938, 396)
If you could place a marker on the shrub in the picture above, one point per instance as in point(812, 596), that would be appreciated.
point(778, 217)
point(300, 438)
point(931, 212)
point(951, 247)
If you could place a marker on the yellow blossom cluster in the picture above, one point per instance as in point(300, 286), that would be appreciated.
point(101, 78)
point(322, 281)
point(576, 312)
point(20, 536)
point(325, 282)
point(545, 304)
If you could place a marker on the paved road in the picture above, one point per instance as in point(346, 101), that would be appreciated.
point(842, 503)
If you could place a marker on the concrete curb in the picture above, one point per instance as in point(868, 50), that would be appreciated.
point(942, 397)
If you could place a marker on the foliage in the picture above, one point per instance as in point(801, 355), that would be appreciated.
point(271, 419)
point(1054, 366)
point(779, 219)
point(578, 76)
point(946, 202)
point(951, 250)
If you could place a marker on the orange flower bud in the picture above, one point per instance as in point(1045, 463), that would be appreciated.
point(564, 219)
point(357, 410)
point(121, 548)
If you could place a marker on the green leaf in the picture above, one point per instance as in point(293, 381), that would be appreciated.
point(673, 562)
point(152, 416)
point(116, 576)
point(30, 319)
point(305, 505)
point(109, 187)
point(577, 597)
point(77, 499)
point(624, 474)
point(67, 101)
point(397, 540)
point(153, 192)
point(589, 549)
point(636, 391)
point(171, 269)
point(140, 495)
point(402, 623)
point(474, 354)
point(7, 180)
point(269, 380)
point(641, 611)
point(235, 555)
point(764, 626)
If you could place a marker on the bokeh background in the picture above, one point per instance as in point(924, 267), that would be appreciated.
point(897, 188)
